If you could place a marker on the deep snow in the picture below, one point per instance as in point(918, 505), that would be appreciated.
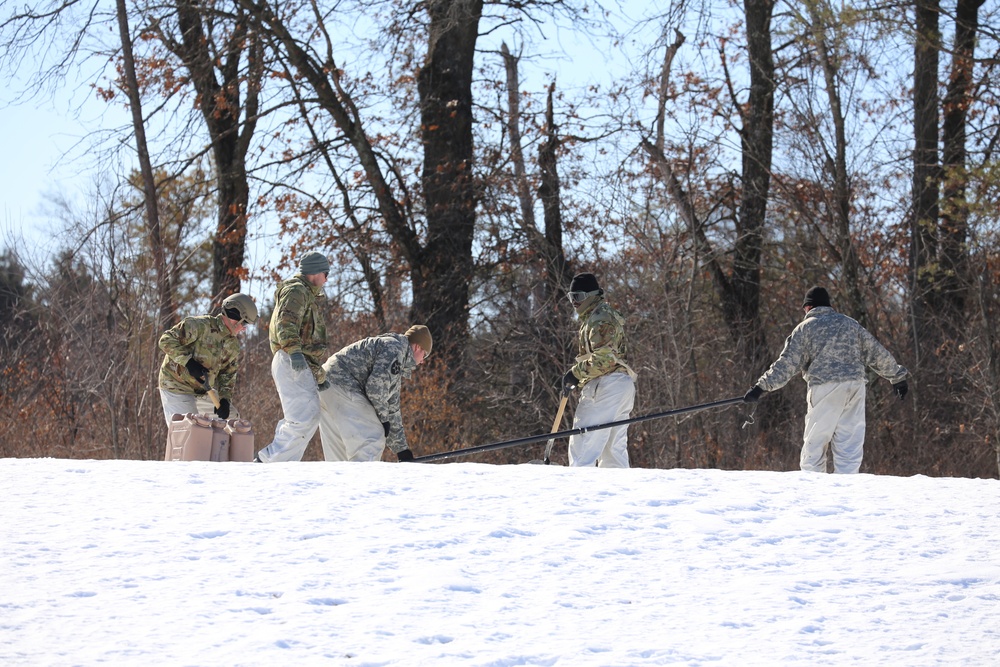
point(152, 563)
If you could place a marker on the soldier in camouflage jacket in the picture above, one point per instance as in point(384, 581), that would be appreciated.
point(832, 351)
point(201, 352)
point(360, 412)
point(297, 335)
point(602, 372)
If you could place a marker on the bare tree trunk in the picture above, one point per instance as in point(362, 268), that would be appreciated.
point(165, 293)
point(741, 303)
point(440, 269)
point(550, 344)
point(214, 65)
point(926, 176)
point(516, 152)
point(538, 286)
point(954, 254)
point(444, 83)
point(558, 269)
point(548, 246)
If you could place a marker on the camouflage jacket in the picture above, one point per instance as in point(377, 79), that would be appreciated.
point(602, 343)
point(206, 339)
point(374, 368)
point(297, 323)
point(826, 347)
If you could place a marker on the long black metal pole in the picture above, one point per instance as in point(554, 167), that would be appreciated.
point(576, 431)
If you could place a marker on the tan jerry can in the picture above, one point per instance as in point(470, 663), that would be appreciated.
point(190, 437)
point(241, 444)
point(194, 437)
point(220, 441)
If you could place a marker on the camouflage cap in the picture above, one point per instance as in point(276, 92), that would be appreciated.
point(420, 335)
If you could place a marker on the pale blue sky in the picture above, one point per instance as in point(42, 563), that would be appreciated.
point(35, 137)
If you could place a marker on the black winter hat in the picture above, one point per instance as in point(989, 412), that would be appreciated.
point(584, 282)
point(816, 297)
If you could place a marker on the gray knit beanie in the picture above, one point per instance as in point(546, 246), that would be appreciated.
point(314, 262)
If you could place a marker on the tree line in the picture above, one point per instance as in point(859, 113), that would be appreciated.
point(745, 153)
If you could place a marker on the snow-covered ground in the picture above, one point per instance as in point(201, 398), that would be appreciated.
point(151, 563)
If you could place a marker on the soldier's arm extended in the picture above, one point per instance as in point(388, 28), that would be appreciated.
point(879, 359)
point(787, 365)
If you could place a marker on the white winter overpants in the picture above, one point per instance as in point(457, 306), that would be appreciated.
point(607, 399)
point(835, 418)
point(300, 407)
point(182, 404)
point(349, 426)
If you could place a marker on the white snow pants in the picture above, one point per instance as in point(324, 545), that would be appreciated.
point(300, 407)
point(182, 404)
point(608, 398)
point(835, 419)
point(349, 426)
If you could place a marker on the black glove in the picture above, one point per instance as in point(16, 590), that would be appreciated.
point(754, 394)
point(385, 427)
point(900, 389)
point(569, 382)
point(197, 371)
point(406, 456)
point(298, 361)
point(223, 410)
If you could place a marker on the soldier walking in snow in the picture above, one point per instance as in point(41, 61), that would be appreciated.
point(832, 352)
point(298, 341)
point(360, 412)
point(202, 352)
point(602, 373)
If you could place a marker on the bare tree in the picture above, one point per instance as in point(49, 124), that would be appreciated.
point(224, 62)
point(823, 36)
point(738, 287)
point(168, 310)
point(441, 266)
point(926, 175)
point(954, 234)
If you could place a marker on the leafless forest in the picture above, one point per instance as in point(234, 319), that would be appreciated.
point(741, 153)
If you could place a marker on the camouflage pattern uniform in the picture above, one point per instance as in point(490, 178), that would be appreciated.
point(607, 385)
point(832, 351)
point(365, 380)
point(208, 341)
point(297, 325)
